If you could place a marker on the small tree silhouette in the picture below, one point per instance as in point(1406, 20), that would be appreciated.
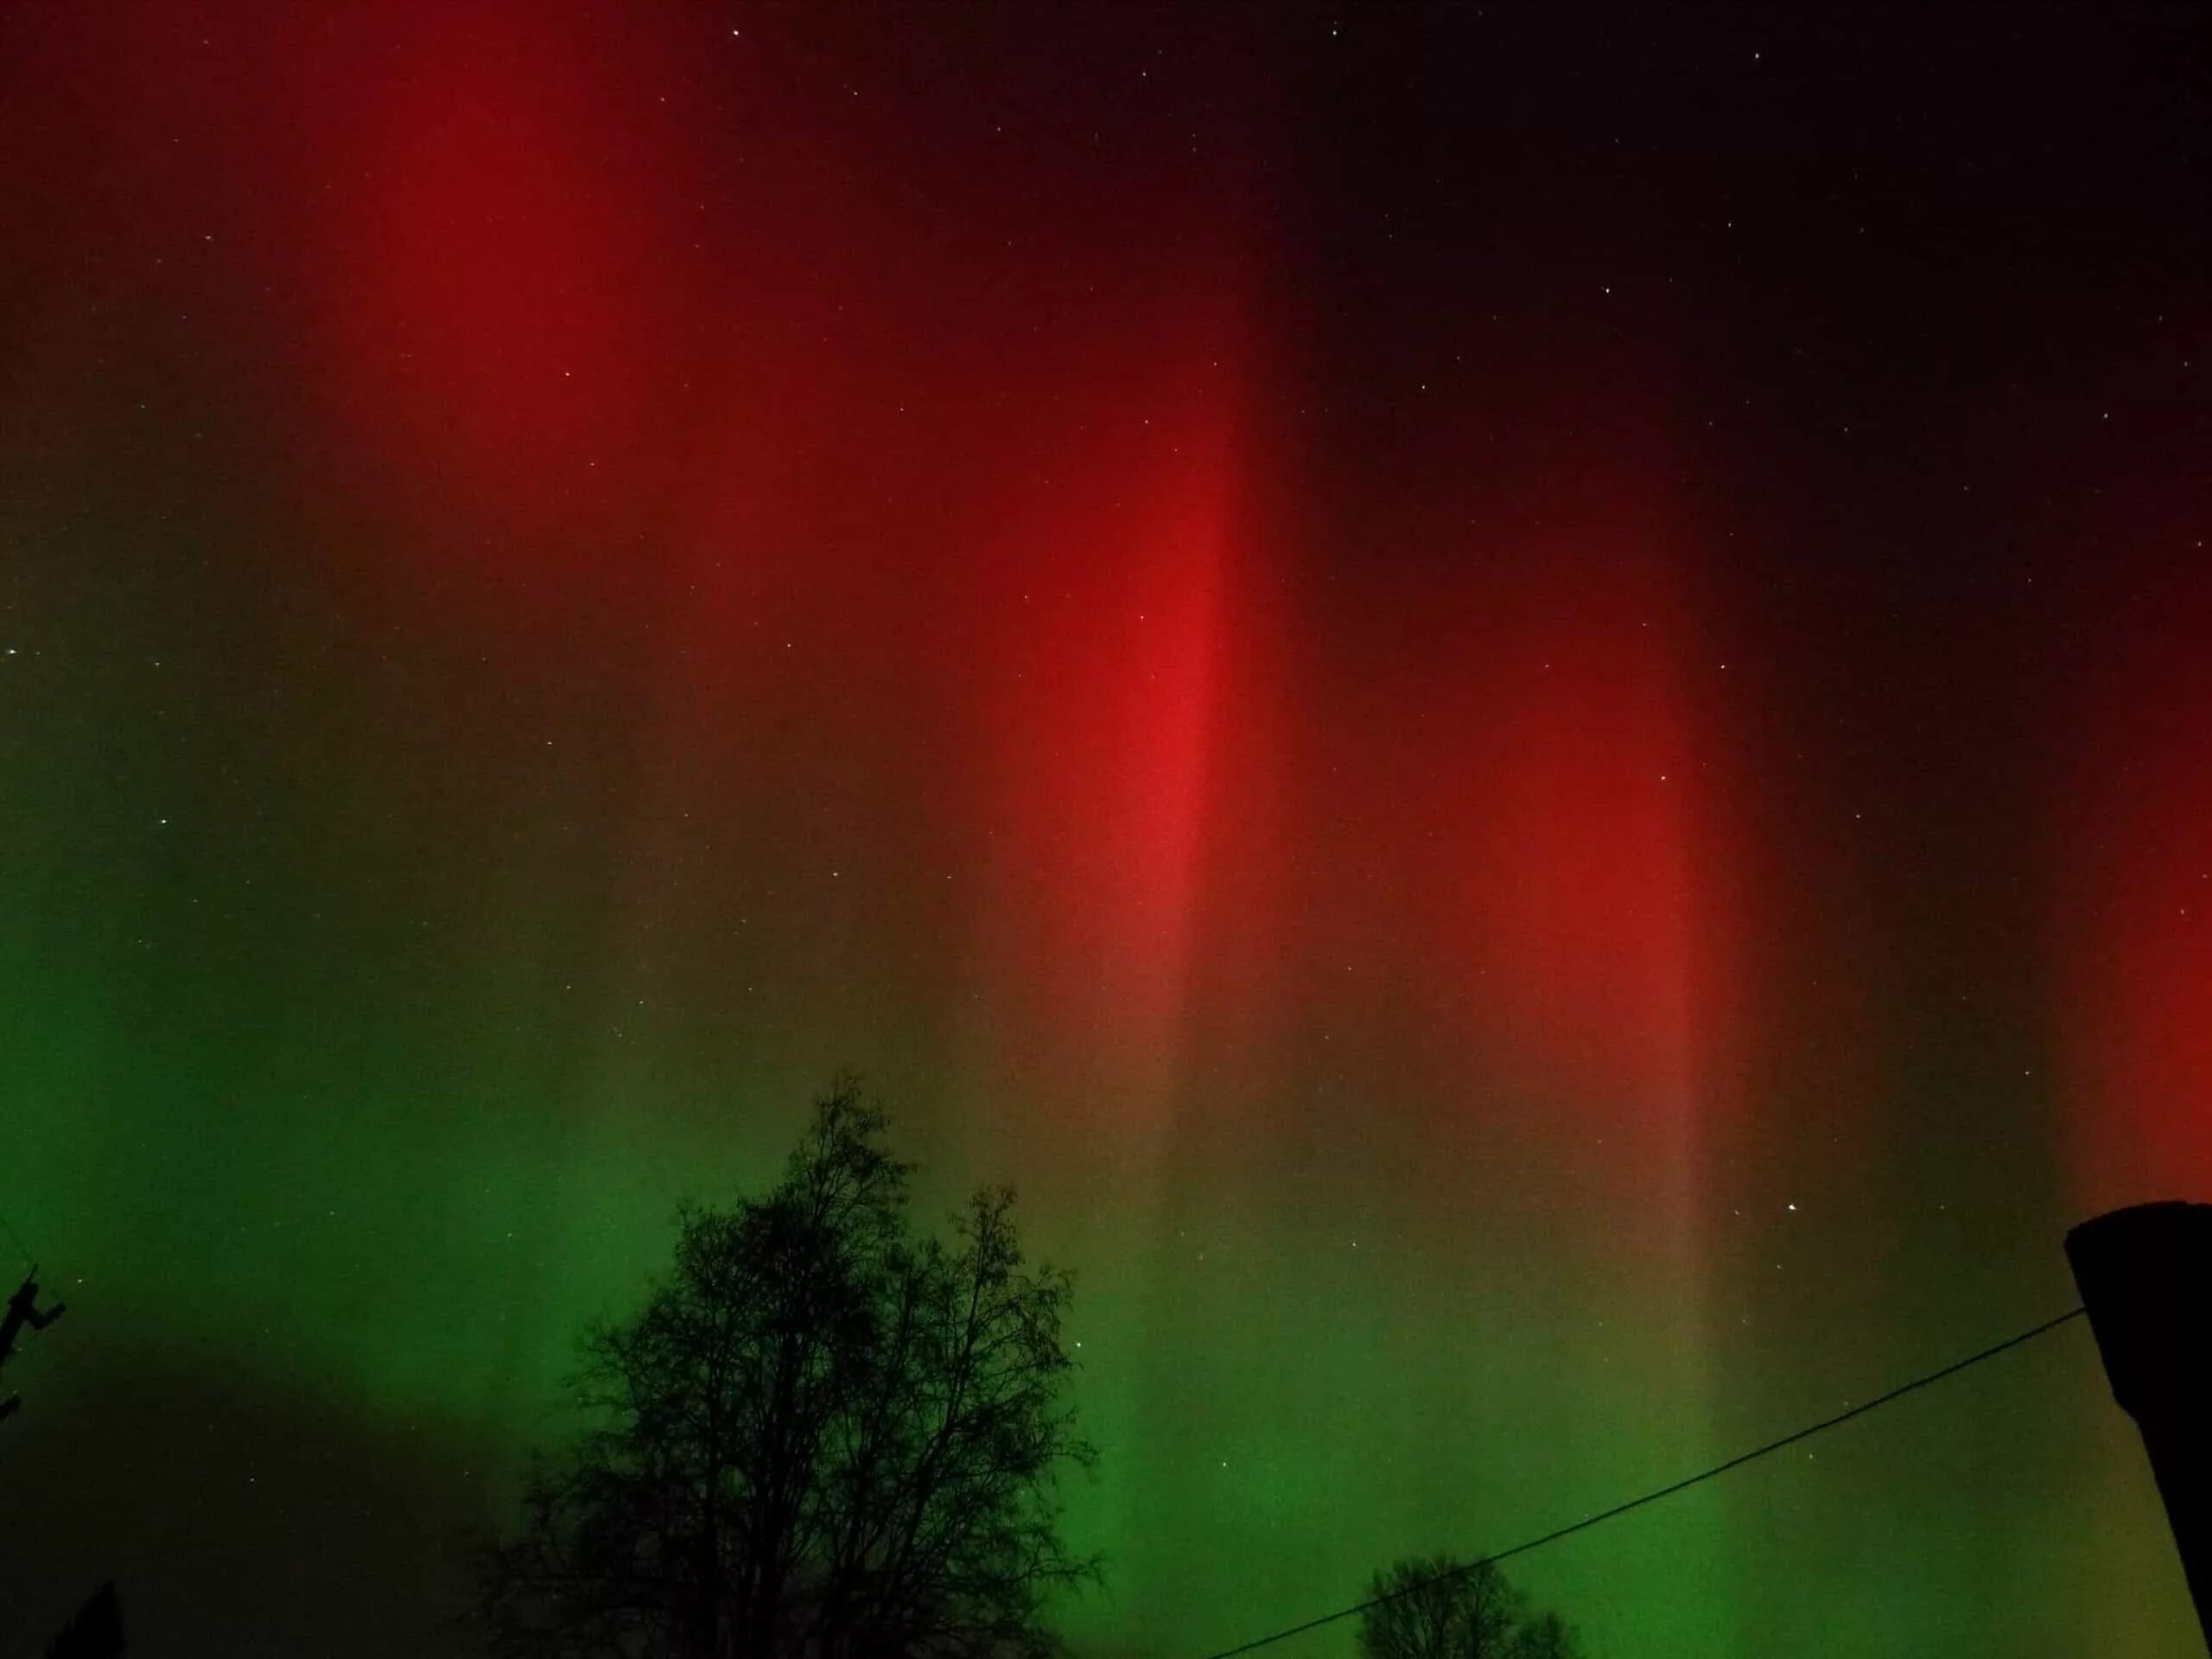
point(820, 1437)
point(1549, 1637)
point(1441, 1608)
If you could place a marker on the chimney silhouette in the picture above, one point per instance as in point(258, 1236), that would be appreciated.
point(2146, 1275)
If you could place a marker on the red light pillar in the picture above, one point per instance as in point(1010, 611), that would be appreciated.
point(2146, 1275)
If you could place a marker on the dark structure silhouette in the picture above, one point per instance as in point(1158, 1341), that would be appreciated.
point(821, 1436)
point(2143, 1273)
point(23, 1310)
point(96, 1631)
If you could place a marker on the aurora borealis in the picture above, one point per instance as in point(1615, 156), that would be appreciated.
point(1515, 703)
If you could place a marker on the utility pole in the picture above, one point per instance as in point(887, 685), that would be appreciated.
point(22, 1310)
point(2146, 1275)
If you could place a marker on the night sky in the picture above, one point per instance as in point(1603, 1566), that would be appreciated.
point(1515, 701)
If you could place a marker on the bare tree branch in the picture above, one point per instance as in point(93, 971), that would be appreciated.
point(821, 1436)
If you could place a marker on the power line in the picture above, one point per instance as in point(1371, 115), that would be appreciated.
point(1735, 1462)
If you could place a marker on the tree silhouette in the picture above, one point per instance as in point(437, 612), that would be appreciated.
point(94, 1632)
point(1546, 1636)
point(1441, 1608)
point(821, 1436)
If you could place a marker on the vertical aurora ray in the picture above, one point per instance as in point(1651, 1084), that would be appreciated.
point(1513, 903)
point(2140, 830)
point(1103, 697)
point(2131, 908)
